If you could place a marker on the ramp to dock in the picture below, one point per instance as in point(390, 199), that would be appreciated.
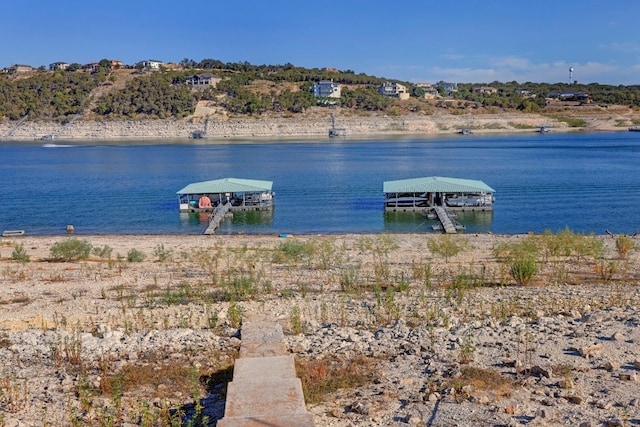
point(445, 220)
point(265, 390)
point(15, 128)
point(217, 217)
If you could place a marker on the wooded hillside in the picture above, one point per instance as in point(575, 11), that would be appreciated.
point(256, 89)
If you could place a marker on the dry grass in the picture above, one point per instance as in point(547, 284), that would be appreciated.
point(484, 381)
point(323, 376)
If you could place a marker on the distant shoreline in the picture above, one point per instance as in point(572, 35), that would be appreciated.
point(285, 129)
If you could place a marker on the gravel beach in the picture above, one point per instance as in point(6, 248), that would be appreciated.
point(147, 327)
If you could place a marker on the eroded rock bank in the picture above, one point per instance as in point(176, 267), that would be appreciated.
point(370, 127)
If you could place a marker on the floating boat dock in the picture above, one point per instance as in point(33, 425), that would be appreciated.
point(217, 216)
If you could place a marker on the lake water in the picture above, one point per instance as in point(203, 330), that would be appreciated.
point(587, 182)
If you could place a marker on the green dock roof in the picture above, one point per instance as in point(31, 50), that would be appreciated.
point(227, 185)
point(436, 184)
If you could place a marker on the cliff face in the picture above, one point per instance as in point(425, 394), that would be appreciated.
point(280, 127)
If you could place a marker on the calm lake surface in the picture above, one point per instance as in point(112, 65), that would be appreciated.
point(587, 182)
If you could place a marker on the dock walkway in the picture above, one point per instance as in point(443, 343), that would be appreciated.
point(445, 220)
point(265, 390)
point(216, 217)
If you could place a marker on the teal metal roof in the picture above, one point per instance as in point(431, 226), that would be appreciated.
point(436, 184)
point(227, 185)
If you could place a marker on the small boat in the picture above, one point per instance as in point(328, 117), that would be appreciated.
point(469, 200)
point(634, 128)
point(544, 129)
point(49, 137)
point(12, 233)
point(198, 135)
point(406, 201)
point(465, 131)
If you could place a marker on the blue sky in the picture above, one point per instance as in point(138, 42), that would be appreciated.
point(412, 40)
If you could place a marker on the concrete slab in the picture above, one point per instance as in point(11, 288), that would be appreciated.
point(259, 398)
point(297, 420)
point(264, 368)
point(262, 349)
point(261, 332)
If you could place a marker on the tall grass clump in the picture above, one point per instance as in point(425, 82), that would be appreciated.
point(521, 258)
point(624, 245)
point(135, 255)
point(294, 251)
point(20, 254)
point(71, 250)
point(523, 269)
point(103, 252)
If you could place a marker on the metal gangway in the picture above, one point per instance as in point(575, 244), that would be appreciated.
point(216, 217)
point(15, 128)
point(445, 220)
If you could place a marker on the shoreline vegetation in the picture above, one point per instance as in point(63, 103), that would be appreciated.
point(316, 124)
point(389, 329)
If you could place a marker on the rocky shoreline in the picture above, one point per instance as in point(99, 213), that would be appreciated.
point(449, 341)
point(312, 126)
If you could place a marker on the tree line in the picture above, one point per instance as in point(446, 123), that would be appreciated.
point(249, 89)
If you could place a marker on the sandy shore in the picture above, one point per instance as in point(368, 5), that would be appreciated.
point(562, 350)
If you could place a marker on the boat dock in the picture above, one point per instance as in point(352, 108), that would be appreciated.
point(217, 216)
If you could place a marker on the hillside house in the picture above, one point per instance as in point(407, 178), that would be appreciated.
point(19, 68)
point(446, 87)
point(393, 89)
point(203, 80)
point(114, 64)
point(430, 92)
point(151, 64)
point(326, 89)
point(571, 95)
point(487, 90)
point(525, 93)
point(58, 66)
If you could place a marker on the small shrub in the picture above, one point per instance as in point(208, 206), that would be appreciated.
point(161, 253)
point(20, 254)
point(235, 315)
point(294, 251)
point(103, 252)
point(624, 245)
point(135, 255)
point(70, 250)
point(523, 269)
point(467, 348)
point(446, 246)
point(14, 393)
point(296, 320)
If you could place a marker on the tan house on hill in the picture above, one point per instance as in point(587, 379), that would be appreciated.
point(430, 91)
point(58, 66)
point(203, 80)
point(114, 64)
point(488, 90)
point(19, 68)
point(393, 89)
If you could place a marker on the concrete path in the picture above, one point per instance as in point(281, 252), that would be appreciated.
point(265, 391)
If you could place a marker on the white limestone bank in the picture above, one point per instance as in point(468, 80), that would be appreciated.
point(372, 126)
